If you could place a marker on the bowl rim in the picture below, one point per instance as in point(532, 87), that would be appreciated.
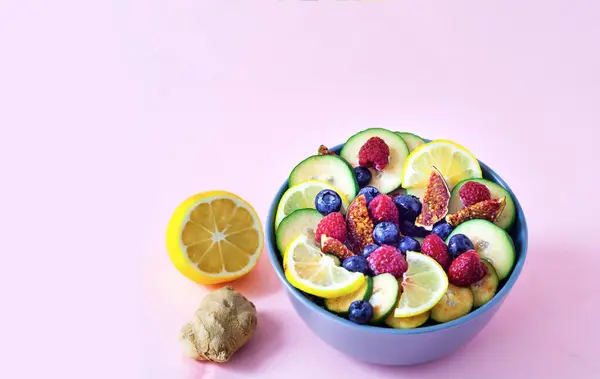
point(499, 297)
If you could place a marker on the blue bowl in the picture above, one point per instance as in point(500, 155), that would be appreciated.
point(399, 347)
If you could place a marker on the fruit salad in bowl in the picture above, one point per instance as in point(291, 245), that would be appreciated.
point(394, 249)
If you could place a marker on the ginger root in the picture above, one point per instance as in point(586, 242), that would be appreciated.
point(222, 324)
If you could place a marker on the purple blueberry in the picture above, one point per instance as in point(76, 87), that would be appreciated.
point(458, 244)
point(408, 243)
point(328, 201)
point(409, 229)
point(367, 250)
point(369, 192)
point(363, 176)
point(386, 233)
point(356, 263)
point(442, 229)
point(360, 312)
point(409, 207)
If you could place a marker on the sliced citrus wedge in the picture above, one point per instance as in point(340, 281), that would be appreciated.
point(453, 161)
point(214, 237)
point(302, 196)
point(423, 285)
point(311, 271)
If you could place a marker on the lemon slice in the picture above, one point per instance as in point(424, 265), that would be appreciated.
point(311, 271)
point(214, 237)
point(423, 285)
point(453, 161)
point(303, 195)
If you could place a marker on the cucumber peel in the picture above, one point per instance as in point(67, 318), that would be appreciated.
point(509, 214)
point(327, 168)
point(340, 305)
point(386, 291)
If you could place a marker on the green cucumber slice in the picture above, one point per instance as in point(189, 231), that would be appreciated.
point(456, 302)
point(328, 168)
point(384, 298)
point(300, 221)
point(406, 322)
point(340, 305)
point(486, 288)
point(491, 242)
point(508, 215)
point(391, 177)
point(412, 140)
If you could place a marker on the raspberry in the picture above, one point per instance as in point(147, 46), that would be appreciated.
point(333, 225)
point(382, 208)
point(330, 245)
point(387, 259)
point(374, 153)
point(466, 269)
point(434, 247)
point(472, 193)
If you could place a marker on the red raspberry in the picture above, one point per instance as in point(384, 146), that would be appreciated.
point(387, 259)
point(382, 208)
point(435, 247)
point(333, 225)
point(472, 193)
point(374, 153)
point(466, 269)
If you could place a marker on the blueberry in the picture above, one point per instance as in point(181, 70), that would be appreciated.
point(442, 229)
point(386, 233)
point(409, 207)
point(360, 312)
point(458, 244)
point(367, 250)
point(356, 264)
point(409, 229)
point(328, 201)
point(363, 176)
point(408, 243)
point(369, 192)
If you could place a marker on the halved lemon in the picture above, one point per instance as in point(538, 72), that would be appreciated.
point(423, 285)
point(311, 271)
point(302, 196)
point(214, 237)
point(455, 162)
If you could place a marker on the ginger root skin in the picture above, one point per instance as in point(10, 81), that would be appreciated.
point(222, 324)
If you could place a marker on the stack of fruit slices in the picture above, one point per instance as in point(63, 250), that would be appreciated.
point(395, 231)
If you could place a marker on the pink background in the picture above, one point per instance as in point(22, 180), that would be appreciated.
point(112, 113)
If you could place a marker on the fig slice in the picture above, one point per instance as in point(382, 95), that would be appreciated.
point(488, 210)
point(435, 201)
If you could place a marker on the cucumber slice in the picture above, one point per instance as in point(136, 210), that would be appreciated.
point(385, 295)
point(491, 243)
point(486, 288)
point(508, 215)
point(328, 168)
point(391, 177)
point(340, 305)
point(406, 322)
point(300, 221)
point(412, 140)
point(456, 302)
